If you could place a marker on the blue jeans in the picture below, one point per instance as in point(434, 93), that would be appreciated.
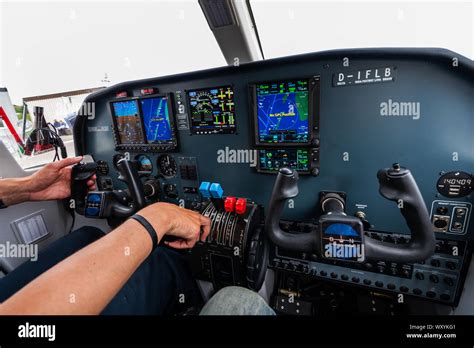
point(234, 300)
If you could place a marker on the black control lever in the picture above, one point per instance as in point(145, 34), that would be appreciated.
point(129, 174)
point(80, 175)
point(286, 187)
point(397, 184)
point(104, 204)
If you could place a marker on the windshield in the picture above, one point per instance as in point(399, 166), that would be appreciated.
point(56, 46)
point(293, 27)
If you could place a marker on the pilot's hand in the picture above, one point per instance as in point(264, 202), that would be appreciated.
point(169, 219)
point(53, 181)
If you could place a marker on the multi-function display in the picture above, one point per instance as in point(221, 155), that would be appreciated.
point(271, 160)
point(283, 115)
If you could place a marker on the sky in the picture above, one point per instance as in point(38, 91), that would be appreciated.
point(49, 47)
point(56, 46)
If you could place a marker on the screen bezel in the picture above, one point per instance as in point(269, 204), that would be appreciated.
point(267, 171)
point(313, 111)
point(209, 131)
point(118, 143)
point(159, 147)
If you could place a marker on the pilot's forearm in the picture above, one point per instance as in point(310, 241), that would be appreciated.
point(14, 191)
point(85, 282)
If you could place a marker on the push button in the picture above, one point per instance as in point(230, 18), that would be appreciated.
point(241, 206)
point(216, 190)
point(449, 281)
point(94, 197)
point(445, 297)
point(431, 294)
point(229, 204)
point(450, 265)
point(204, 189)
point(419, 276)
point(92, 211)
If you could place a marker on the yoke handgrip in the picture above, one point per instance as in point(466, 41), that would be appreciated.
point(397, 184)
point(135, 186)
point(286, 187)
point(81, 173)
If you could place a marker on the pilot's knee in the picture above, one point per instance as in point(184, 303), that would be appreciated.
point(234, 300)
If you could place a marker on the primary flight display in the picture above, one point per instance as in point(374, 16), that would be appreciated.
point(127, 122)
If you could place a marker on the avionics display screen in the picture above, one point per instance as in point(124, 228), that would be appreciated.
point(127, 122)
point(156, 119)
point(282, 111)
point(212, 110)
point(271, 161)
point(342, 241)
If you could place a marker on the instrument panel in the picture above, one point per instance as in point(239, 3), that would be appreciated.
point(336, 118)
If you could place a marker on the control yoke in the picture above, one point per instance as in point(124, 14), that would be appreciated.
point(103, 204)
point(286, 187)
point(129, 175)
point(396, 184)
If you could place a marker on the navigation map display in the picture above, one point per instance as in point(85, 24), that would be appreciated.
point(212, 110)
point(127, 122)
point(156, 119)
point(282, 111)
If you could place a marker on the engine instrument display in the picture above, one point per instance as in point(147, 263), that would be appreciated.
point(283, 112)
point(127, 122)
point(271, 160)
point(212, 110)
